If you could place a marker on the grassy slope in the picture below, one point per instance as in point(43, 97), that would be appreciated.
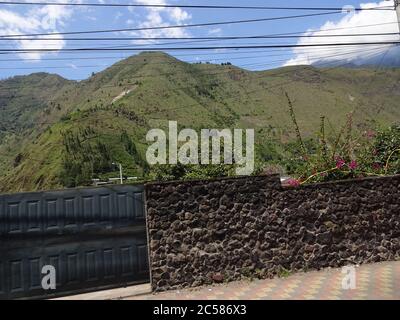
point(28, 105)
point(161, 88)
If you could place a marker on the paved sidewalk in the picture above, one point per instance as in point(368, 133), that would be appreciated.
point(379, 281)
point(112, 294)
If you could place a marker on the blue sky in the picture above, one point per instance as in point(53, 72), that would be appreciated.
point(79, 65)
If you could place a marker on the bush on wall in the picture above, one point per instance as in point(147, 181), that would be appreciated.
point(346, 155)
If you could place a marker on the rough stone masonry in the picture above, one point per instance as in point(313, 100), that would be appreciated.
point(202, 232)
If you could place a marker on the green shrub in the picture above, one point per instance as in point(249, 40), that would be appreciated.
point(346, 155)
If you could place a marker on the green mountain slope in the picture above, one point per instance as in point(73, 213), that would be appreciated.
point(104, 119)
point(28, 104)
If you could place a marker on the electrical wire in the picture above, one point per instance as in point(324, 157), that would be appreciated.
point(193, 62)
point(177, 26)
point(208, 38)
point(166, 6)
point(206, 48)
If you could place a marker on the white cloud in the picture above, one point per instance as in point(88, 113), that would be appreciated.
point(215, 31)
point(179, 15)
point(162, 17)
point(384, 22)
point(41, 19)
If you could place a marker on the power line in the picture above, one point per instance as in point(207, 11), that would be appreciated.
point(201, 54)
point(176, 26)
point(197, 54)
point(206, 48)
point(193, 62)
point(273, 62)
point(279, 34)
point(19, 37)
point(166, 6)
point(209, 38)
point(100, 47)
point(257, 56)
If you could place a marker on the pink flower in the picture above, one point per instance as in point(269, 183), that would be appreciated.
point(293, 182)
point(353, 165)
point(340, 163)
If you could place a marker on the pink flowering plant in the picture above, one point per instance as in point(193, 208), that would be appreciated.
point(350, 153)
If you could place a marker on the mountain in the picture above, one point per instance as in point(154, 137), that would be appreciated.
point(60, 133)
point(27, 104)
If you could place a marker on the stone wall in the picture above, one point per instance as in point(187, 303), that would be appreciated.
point(202, 232)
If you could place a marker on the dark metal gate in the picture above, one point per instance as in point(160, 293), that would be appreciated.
point(94, 238)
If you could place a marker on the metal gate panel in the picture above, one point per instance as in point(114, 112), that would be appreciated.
point(95, 238)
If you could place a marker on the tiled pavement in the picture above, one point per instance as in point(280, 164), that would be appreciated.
point(379, 281)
